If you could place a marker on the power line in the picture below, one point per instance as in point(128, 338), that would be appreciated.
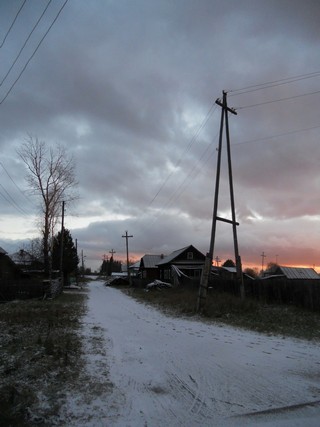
point(276, 136)
point(176, 194)
point(11, 200)
point(12, 180)
point(274, 83)
point(34, 52)
point(10, 28)
point(278, 100)
point(26, 41)
point(191, 175)
point(192, 141)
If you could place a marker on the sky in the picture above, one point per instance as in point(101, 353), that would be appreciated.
point(129, 88)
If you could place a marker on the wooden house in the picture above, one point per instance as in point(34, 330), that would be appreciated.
point(8, 269)
point(148, 266)
point(291, 273)
point(182, 266)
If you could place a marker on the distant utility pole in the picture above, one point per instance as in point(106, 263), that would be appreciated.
point(263, 256)
point(209, 257)
point(82, 262)
point(217, 260)
point(105, 260)
point(77, 271)
point(111, 259)
point(126, 236)
point(114, 252)
point(61, 245)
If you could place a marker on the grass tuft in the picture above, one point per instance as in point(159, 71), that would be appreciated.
point(40, 348)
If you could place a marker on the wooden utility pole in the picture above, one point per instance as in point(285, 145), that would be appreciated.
point(126, 236)
point(233, 209)
point(82, 262)
point(77, 271)
point(111, 260)
point(104, 264)
point(61, 246)
point(224, 122)
point(114, 252)
point(263, 256)
point(217, 260)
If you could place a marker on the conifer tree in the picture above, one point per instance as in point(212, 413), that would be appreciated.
point(70, 259)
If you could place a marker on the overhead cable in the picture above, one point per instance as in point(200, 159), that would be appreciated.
point(26, 41)
point(34, 52)
point(278, 100)
point(192, 141)
point(275, 136)
point(266, 85)
point(11, 200)
point(12, 180)
point(7, 33)
point(191, 175)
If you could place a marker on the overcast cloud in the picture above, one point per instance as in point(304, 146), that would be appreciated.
point(126, 86)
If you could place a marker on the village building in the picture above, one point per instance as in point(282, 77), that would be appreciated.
point(291, 273)
point(182, 266)
point(9, 271)
point(148, 268)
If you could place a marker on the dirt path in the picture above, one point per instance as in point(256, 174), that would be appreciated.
point(170, 371)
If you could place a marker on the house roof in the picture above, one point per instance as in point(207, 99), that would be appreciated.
point(178, 252)
point(172, 256)
point(22, 257)
point(150, 261)
point(299, 273)
point(135, 265)
point(230, 269)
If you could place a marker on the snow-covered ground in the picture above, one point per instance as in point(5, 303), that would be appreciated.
point(169, 371)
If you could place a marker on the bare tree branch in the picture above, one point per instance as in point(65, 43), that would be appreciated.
point(51, 175)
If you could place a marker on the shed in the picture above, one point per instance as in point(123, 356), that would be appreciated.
point(293, 273)
point(148, 268)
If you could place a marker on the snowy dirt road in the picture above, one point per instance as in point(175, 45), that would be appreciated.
point(169, 371)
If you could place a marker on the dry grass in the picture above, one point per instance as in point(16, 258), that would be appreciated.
point(40, 350)
point(230, 310)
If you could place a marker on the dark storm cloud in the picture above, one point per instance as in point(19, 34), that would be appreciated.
point(125, 85)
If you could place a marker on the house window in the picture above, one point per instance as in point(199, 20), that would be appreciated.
point(189, 255)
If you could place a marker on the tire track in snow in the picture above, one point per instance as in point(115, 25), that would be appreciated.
point(179, 372)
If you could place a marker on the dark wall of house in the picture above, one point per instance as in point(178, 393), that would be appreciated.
point(8, 269)
point(150, 273)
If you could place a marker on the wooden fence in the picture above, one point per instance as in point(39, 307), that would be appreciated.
point(300, 293)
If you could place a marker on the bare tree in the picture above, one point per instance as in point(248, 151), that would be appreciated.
point(35, 248)
point(51, 176)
